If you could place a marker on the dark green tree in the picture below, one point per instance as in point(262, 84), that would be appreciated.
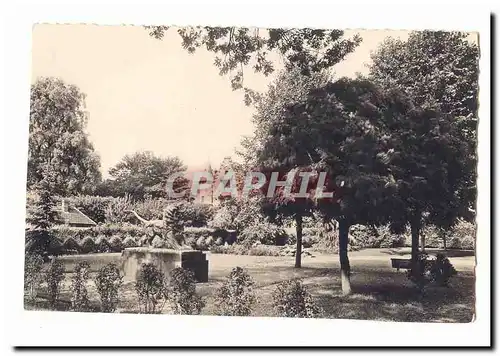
point(438, 70)
point(290, 87)
point(58, 139)
point(338, 130)
point(143, 173)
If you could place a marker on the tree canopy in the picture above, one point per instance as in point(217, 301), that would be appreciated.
point(310, 50)
point(143, 174)
point(57, 138)
point(439, 71)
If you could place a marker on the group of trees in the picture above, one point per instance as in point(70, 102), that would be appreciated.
point(398, 145)
point(62, 160)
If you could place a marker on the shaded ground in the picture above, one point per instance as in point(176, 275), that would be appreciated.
point(380, 293)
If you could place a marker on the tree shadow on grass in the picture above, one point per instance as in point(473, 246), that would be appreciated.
point(374, 297)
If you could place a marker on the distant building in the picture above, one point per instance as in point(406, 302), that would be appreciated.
point(72, 216)
point(209, 195)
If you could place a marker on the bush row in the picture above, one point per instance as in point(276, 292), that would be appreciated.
point(235, 297)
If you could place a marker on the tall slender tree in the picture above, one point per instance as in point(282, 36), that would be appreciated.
point(57, 138)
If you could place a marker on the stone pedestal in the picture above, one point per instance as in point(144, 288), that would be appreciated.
point(165, 260)
point(196, 262)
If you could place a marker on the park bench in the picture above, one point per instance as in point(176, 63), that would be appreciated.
point(401, 263)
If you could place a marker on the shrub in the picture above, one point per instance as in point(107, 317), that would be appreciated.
point(219, 241)
point(236, 296)
point(102, 245)
point(63, 232)
point(116, 244)
point(54, 277)
point(223, 217)
point(70, 244)
point(257, 250)
point(121, 229)
point(463, 236)
point(442, 270)
point(79, 294)
point(130, 242)
point(158, 242)
point(363, 236)
point(194, 214)
point(149, 208)
point(151, 289)
point(41, 242)
point(430, 269)
point(291, 299)
point(117, 210)
point(33, 265)
point(263, 232)
point(108, 282)
point(92, 206)
point(88, 245)
point(182, 295)
point(200, 243)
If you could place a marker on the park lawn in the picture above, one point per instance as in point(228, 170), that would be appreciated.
point(379, 292)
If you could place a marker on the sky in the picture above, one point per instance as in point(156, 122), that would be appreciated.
point(145, 94)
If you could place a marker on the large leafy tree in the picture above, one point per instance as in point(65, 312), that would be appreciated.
point(143, 174)
point(310, 50)
point(57, 138)
point(438, 70)
point(338, 130)
point(290, 87)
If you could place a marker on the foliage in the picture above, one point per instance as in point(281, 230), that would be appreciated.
point(439, 70)
point(309, 50)
point(54, 276)
point(33, 265)
point(88, 245)
point(158, 242)
point(117, 210)
point(92, 206)
point(102, 245)
point(130, 241)
point(70, 244)
point(256, 250)
point(291, 299)
point(41, 242)
point(181, 294)
point(143, 174)
point(151, 289)
point(149, 208)
point(57, 131)
point(376, 237)
point(79, 294)
point(116, 244)
point(463, 235)
point(41, 212)
point(430, 269)
point(195, 215)
point(264, 232)
point(224, 215)
point(236, 296)
point(108, 282)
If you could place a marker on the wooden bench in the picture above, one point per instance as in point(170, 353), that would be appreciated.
point(401, 263)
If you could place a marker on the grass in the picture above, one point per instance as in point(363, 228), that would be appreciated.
point(379, 292)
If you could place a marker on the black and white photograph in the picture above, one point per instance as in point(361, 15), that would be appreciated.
point(251, 172)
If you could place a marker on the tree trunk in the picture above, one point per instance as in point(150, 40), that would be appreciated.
point(422, 241)
point(298, 252)
point(415, 231)
point(443, 236)
point(345, 268)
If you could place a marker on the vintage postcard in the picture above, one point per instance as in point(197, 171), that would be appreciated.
point(238, 171)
